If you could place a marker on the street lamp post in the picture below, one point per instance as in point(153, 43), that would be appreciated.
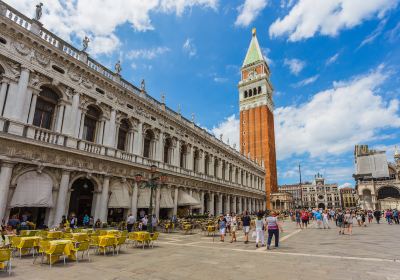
point(153, 183)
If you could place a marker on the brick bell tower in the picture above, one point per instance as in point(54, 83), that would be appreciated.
point(257, 136)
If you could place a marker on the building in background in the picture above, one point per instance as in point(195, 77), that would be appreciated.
point(348, 198)
point(73, 135)
point(257, 135)
point(320, 195)
point(377, 180)
point(295, 190)
point(282, 201)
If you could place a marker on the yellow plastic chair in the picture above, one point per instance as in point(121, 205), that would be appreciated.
point(43, 246)
point(143, 238)
point(120, 241)
point(82, 247)
point(55, 251)
point(5, 260)
point(26, 244)
point(153, 238)
point(67, 235)
point(107, 242)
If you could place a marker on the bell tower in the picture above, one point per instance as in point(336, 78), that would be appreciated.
point(257, 135)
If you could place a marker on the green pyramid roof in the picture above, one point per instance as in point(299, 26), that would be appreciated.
point(254, 53)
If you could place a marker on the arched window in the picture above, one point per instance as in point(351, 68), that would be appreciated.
point(196, 156)
point(245, 94)
point(167, 150)
point(123, 135)
point(236, 175)
point(148, 144)
point(46, 105)
point(90, 124)
point(254, 91)
point(250, 93)
point(182, 156)
point(259, 90)
point(206, 164)
point(230, 173)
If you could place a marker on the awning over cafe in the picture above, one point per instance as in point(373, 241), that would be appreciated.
point(166, 200)
point(119, 196)
point(33, 190)
point(184, 199)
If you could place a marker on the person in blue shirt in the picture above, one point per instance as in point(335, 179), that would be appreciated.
point(222, 227)
point(318, 218)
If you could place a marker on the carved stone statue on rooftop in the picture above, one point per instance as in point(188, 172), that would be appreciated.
point(85, 43)
point(143, 85)
point(38, 12)
point(118, 67)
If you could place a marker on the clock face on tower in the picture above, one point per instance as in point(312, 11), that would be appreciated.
point(252, 74)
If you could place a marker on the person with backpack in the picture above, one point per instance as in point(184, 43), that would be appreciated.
point(377, 215)
point(340, 221)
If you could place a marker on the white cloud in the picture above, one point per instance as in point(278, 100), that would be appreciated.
point(332, 59)
point(310, 17)
point(295, 65)
point(266, 52)
point(249, 11)
point(77, 18)
point(346, 185)
point(220, 79)
point(229, 129)
point(306, 81)
point(189, 47)
point(334, 120)
point(374, 34)
point(147, 53)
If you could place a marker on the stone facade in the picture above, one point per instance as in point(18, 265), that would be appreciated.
point(257, 135)
point(282, 201)
point(377, 180)
point(74, 134)
point(348, 197)
point(295, 191)
point(320, 195)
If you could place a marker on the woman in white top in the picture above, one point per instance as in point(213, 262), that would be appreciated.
point(260, 228)
point(325, 218)
point(234, 226)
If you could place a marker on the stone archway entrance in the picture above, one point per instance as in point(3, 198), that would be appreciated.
point(321, 206)
point(389, 197)
point(81, 199)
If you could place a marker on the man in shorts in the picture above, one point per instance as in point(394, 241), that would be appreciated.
point(246, 226)
point(340, 221)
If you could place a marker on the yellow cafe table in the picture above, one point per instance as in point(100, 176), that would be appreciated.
point(80, 236)
point(54, 234)
point(68, 250)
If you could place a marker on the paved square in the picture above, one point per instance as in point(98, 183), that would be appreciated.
point(371, 253)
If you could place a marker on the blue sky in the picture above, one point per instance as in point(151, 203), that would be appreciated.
point(335, 66)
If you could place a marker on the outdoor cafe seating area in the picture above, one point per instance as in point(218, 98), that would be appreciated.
point(51, 247)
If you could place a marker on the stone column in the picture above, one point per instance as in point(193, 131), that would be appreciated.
point(110, 128)
point(240, 208)
point(62, 197)
point(104, 199)
point(134, 200)
point(157, 206)
point(33, 107)
point(211, 203)
point(81, 113)
point(189, 160)
point(190, 207)
point(175, 212)
point(5, 179)
point(220, 210)
point(211, 166)
point(16, 97)
point(219, 168)
point(202, 202)
point(130, 141)
point(97, 211)
point(228, 204)
point(100, 131)
point(60, 115)
point(245, 204)
point(234, 205)
point(201, 162)
point(138, 140)
point(160, 147)
point(72, 117)
point(3, 92)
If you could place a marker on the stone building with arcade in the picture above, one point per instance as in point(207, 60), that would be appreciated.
point(73, 135)
point(377, 180)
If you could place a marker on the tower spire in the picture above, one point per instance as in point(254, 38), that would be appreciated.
point(254, 53)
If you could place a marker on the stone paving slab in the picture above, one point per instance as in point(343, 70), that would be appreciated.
point(307, 254)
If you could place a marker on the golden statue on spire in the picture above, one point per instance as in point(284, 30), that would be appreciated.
point(253, 31)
